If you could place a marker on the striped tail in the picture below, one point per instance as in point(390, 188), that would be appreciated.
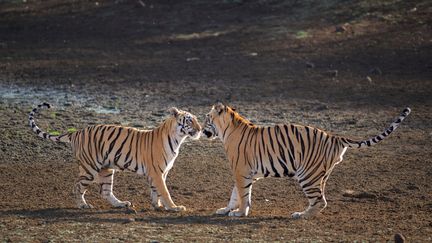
point(61, 138)
point(372, 141)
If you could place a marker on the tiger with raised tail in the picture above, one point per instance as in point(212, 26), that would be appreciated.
point(304, 153)
point(103, 149)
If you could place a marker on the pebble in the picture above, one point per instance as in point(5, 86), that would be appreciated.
point(376, 71)
point(190, 59)
point(332, 73)
point(310, 65)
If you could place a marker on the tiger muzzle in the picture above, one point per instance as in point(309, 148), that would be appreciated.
point(208, 134)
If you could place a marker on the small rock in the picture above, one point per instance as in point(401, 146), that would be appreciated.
point(332, 73)
point(376, 71)
point(348, 193)
point(310, 65)
point(191, 59)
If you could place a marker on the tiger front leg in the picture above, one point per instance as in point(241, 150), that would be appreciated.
point(232, 205)
point(161, 193)
point(155, 200)
point(244, 194)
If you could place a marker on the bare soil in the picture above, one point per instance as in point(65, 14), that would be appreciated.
point(348, 67)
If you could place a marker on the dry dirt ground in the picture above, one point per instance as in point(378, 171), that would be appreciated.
point(348, 67)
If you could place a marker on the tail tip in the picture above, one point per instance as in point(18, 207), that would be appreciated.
point(46, 104)
point(406, 111)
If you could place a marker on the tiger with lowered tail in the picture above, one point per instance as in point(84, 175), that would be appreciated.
point(304, 153)
point(103, 149)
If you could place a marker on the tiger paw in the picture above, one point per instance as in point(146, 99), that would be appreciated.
point(124, 204)
point(177, 209)
point(158, 208)
point(157, 205)
point(302, 215)
point(236, 213)
point(85, 206)
point(223, 211)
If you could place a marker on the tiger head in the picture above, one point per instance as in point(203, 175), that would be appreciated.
point(215, 120)
point(187, 124)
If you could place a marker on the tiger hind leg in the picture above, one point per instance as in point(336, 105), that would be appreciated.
point(316, 198)
point(80, 188)
point(105, 180)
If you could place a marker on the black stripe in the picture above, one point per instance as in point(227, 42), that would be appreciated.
point(169, 142)
point(270, 138)
point(113, 142)
point(266, 173)
point(276, 174)
point(238, 147)
point(290, 148)
point(119, 151)
point(248, 185)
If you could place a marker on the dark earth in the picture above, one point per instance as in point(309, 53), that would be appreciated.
point(348, 67)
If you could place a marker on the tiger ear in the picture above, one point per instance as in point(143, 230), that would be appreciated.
point(219, 107)
point(173, 111)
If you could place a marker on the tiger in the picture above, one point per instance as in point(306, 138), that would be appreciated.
point(103, 149)
point(304, 153)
